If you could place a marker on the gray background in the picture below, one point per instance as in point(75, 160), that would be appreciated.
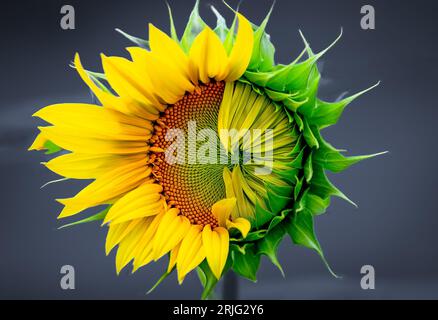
point(394, 228)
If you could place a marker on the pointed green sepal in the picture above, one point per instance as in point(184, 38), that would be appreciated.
point(96, 217)
point(138, 41)
point(261, 216)
point(194, 26)
point(263, 51)
point(221, 25)
point(159, 281)
point(328, 113)
point(335, 161)
point(269, 245)
point(245, 260)
point(308, 168)
point(300, 229)
point(173, 33)
point(51, 148)
point(321, 185)
point(309, 135)
point(298, 187)
point(207, 279)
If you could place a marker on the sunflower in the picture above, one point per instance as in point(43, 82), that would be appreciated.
point(215, 206)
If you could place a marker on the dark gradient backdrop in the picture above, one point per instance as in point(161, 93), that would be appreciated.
point(394, 228)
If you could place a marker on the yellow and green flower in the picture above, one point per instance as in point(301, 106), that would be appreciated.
point(215, 217)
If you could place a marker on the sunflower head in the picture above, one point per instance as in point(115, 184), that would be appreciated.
point(202, 149)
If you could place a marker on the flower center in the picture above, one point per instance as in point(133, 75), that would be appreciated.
point(190, 186)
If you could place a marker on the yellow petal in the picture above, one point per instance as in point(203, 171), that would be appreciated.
point(172, 258)
point(171, 231)
point(126, 80)
point(242, 50)
point(228, 181)
point(125, 252)
point(144, 251)
point(222, 210)
point(216, 245)
point(88, 166)
point(95, 121)
point(38, 143)
point(244, 207)
point(105, 98)
point(164, 46)
point(77, 141)
point(208, 58)
point(106, 188)
point(170, 82)
point(143, 201)
point(191, 252)
point(240, 224)
point(117, 232)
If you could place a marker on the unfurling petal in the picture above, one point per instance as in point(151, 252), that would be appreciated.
point(208, 58)
point(222, 210)
point(240, 224)
point(242, 50)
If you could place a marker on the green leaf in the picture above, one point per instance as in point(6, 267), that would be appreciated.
point(194, 26)
point(245, 261)
point(138, 41)
point(269, 245)
point(328, 113)
point(51, 147)
point(96, 217)
point(300, 229)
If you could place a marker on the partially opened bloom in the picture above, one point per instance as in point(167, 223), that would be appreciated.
point(202, 149)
